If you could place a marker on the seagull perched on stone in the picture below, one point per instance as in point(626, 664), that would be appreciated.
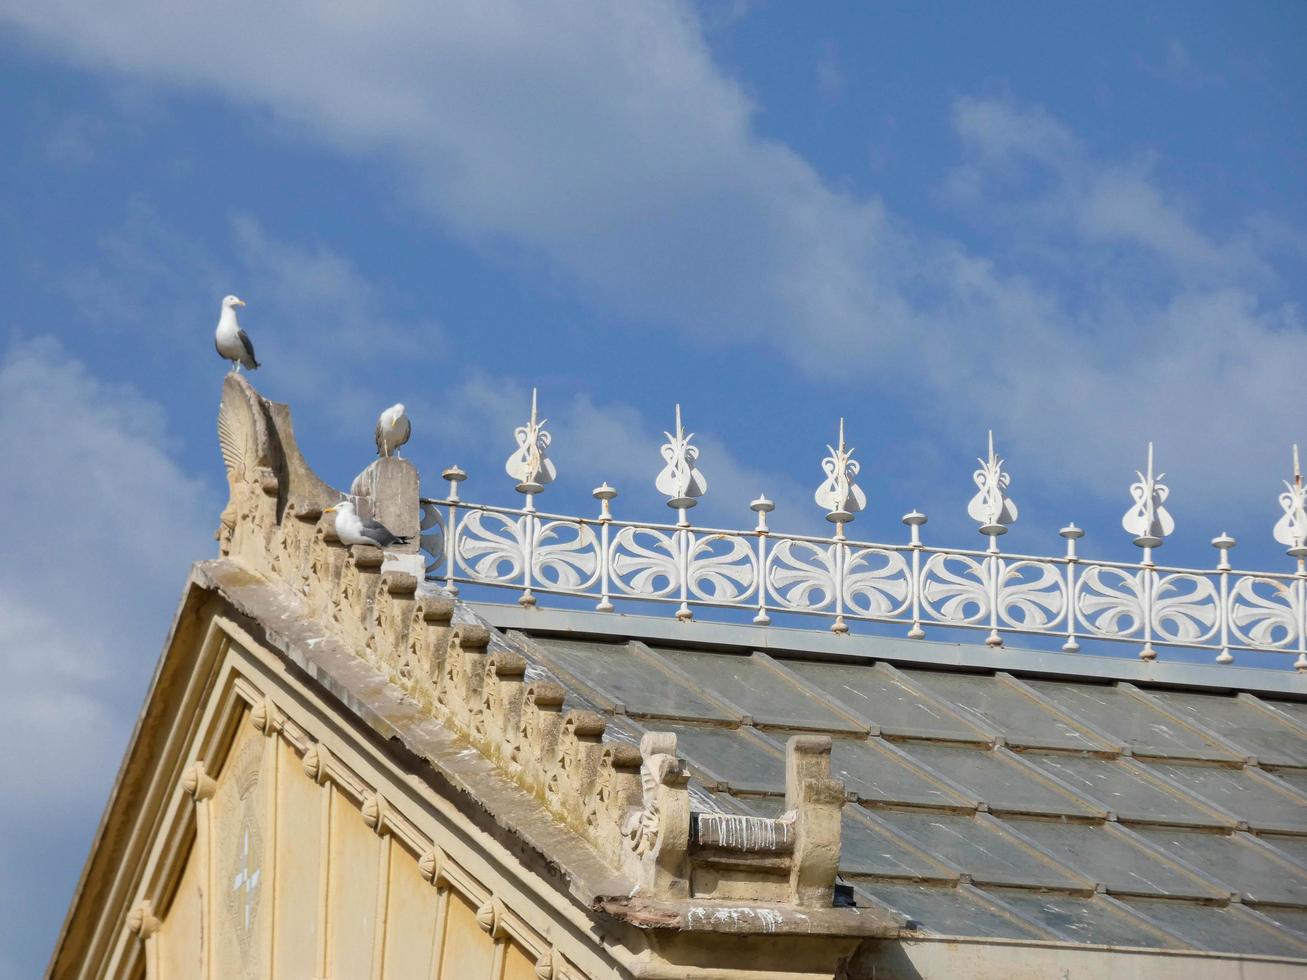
point(393, 430)
point(352, 529)
point(232, 342)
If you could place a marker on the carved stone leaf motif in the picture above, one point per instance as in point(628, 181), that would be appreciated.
point(660, 765)
point(1264, 611)
point(643, 561)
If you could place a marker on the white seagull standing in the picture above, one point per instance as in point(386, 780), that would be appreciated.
point(232, 342)
point(393, 430)
point(352, 529)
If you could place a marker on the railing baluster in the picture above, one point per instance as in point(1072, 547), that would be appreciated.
point(762, 507)
point(605, 495)
point(1301, 663)
point(840, 553)
point(1223, 543)
point(455, 476)
point(1147, 579)
point(995, 566)
point(914, 521)
point(1072, 534)
point(529, 525)
point(684, 613)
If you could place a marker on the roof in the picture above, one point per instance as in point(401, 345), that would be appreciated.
point(1010, 804)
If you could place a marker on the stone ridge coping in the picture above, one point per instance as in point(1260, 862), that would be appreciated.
point(584, 624)
point(365, 692)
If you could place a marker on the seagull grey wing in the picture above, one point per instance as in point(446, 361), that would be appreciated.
point(381, 438)
point(379, 534)
point(248, 360)
point(405, 430)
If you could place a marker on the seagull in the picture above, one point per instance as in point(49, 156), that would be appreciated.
point(352, 529)
point(232, 342)
point(393, 430)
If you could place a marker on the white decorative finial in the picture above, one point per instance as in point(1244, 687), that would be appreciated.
point(839, 495)
point(990, 507)
point(529, 466)
point(679, 481)
point(1148, 520)
point(1291, 529)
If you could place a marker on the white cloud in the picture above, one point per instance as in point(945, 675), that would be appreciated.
point(100, 528)
point(604, 142)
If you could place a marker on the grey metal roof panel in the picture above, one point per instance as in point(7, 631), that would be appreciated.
point(868, 847)
point(729, 756)
point(1220, 928)
point(1000, 779)
point(1087, 920)
point(1262, 802)
point(1127, 789)
point(766, 694)
point(873, 770)
point(1242, 723)
point(1112, 857)
point(1293, 921)
point(1295, 778)
point(1007, 708)
point(1236, 860)
point(980, 847)
point(1296, 710)
point(876, 693)
point(913, 834)
point(1290, 845)
point(946, 910)
point(1133, 720)
point(618, 671)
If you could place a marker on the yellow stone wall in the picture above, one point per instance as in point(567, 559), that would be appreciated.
point(285, 879)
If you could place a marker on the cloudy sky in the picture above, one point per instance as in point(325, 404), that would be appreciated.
point(1084, 231)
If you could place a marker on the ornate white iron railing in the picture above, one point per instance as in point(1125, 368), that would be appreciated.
point(608, 560)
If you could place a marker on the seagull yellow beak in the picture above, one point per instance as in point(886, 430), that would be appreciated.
point(239, 302)
point(329, 510)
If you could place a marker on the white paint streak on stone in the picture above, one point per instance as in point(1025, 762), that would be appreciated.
point(767, 920)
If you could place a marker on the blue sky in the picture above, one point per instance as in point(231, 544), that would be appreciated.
point(1082, 228)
